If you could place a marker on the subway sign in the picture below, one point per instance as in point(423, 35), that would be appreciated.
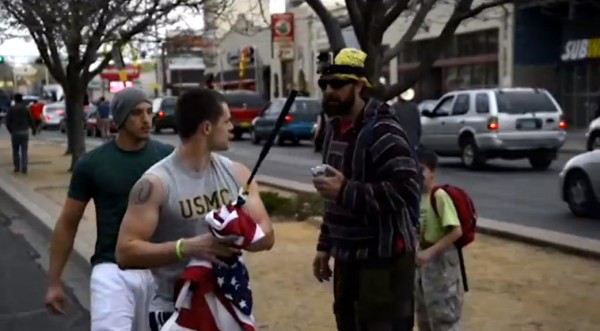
point(581, 49)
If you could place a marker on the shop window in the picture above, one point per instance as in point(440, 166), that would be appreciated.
point(491, 75)
point(464, 43)
point(464, 76)
point(482, 103)
point(492, 41)
point(580, 73)
point(594, 71)
point(478, 76)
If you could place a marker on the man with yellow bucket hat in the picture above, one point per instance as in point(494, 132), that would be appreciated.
point(371, 188)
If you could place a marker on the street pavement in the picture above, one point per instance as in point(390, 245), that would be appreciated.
point(23, 280)
point(508, 191)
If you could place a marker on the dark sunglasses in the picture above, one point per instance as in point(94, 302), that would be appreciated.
point(335, 84)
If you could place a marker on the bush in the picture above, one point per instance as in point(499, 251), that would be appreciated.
point(300, 206)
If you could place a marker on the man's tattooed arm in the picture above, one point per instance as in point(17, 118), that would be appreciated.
point(141, 191)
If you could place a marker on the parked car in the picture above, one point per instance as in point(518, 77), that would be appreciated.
point(156, 105)
point(593, 135)
point(508, 123)
point(91, 124)
point(244, 107)
point(298, 123)
point(580, 184)
point(165, 117)
point(53, 114)
point(29, 99)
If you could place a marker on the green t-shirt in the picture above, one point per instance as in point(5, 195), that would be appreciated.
point(434, 228)
point(106, 175)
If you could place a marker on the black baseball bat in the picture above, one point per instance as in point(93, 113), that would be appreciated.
point(269, 143)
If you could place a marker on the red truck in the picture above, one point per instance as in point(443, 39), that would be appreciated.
point(244, 106)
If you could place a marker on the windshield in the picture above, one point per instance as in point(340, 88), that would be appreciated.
point(300, 107)
point(427, 105)
point(521, 102)
point(249, 100)
point(168, 105)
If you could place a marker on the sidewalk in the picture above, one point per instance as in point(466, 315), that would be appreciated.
point(553, 292)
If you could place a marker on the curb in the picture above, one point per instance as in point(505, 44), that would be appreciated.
point(45, 212)
point(575, 245)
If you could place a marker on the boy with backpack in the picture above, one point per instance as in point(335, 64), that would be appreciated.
point(447, 224)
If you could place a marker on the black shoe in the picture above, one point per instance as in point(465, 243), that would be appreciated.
point(24, 171)
point(16, 170)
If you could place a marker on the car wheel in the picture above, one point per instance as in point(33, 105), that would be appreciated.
point(579, 195)
point(593, 141)
point(255, 138)
point(470, 155)
point(541, 161)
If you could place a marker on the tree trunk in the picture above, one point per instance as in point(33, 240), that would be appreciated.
point(74, 99)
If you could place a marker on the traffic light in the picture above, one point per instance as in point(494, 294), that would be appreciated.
point(246, 58)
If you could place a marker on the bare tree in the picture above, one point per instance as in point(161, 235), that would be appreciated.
point(69, 35)
point(371, 19)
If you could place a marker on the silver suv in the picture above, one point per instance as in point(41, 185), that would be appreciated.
point(508, 123)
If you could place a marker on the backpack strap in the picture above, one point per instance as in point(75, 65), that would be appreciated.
point(433, 200)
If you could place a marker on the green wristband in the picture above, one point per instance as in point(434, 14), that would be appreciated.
point(179, 249)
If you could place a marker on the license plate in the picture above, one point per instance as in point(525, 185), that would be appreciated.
point(527, 125)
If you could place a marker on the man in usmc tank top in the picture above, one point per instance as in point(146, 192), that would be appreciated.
point(164, 224)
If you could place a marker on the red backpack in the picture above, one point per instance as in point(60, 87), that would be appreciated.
point(465, 210)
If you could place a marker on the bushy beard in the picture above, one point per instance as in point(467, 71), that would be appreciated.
point(336, 107)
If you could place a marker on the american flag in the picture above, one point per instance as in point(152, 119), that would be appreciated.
point(212, 297)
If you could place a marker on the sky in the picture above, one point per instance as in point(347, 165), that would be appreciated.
point(277, 6)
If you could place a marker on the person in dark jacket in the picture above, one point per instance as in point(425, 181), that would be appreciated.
point(371, 192)
point(408, 115)
point(18, 122)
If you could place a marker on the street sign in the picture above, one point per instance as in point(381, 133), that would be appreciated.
point(112, 73)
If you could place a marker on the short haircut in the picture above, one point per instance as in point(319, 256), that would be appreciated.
point(428, 158)
point(18, 97)
point(196, 106)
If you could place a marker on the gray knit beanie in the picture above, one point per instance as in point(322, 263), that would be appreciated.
point(125, 102)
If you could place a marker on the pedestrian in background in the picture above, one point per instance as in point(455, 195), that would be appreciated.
point(103, 118)
point(371, 194)
point(408, 115)
point(37, 111)
point(18, 122)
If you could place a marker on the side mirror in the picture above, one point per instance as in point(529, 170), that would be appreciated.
point(426, 113)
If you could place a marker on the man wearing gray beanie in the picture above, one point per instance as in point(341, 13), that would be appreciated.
point(119, 298)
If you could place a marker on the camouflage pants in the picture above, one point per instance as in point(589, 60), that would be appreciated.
point(439, 293)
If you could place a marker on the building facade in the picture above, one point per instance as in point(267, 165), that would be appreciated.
point(481, 53)
point(557, 47)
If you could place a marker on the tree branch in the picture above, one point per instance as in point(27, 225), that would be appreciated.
point(413, 28)
point(462, 7)
point(356, 15)
point(392, 13)
point(330, 23)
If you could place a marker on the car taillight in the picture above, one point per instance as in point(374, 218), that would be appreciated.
point(161, 114)
point(563, 123)
point(493, 124)
point(289, 118)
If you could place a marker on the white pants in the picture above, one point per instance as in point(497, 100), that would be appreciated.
point(120, 298)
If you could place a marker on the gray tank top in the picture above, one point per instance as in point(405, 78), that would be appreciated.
point(190, 195)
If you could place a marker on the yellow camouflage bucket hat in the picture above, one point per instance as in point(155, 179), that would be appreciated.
point(348, 64)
